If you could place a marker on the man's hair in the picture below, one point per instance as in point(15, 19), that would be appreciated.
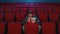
point(30, 13)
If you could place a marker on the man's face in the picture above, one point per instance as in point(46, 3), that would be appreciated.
point(30, 15)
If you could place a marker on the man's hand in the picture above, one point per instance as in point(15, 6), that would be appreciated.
point(29, 19)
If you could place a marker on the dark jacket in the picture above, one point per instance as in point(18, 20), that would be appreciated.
point(25, 20)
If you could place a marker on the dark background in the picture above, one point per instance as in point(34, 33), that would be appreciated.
point(29, 1)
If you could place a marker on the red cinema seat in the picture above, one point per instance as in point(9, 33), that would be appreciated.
point(43, 16)
point(26, 5)
point(0, 10)
point(59, 28)
point(21, 4)
point(6, 10)
point(37, 5)
point(20, 17)
point(40, 10)
point(1, 17)
point(23, 10)
point(48, 28)
point(54, 17)
point(11, 6)
point(51, 6)
point(18, 5)
point(31, 28)
point(16, 10)
point(9, 17)
point(2, 28)
point(32, 10)
point(14, 28)
point(48, 10)
point(34, 14)
point(57, 10)
point(45, 5)
point(31, 5)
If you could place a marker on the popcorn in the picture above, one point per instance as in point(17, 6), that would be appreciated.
point(33, 20)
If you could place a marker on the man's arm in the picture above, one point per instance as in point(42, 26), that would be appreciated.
point(24, 21)
point(38, 21)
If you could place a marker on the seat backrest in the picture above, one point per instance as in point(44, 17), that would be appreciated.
point(1, 17)
point(20, 17)
point(48, 28)
point(2, 28)
point(43, 16)
point(54, 17)
point(9, 17)
point(14, 28)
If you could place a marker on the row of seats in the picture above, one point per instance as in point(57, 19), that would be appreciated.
point(48, 10)
point(24, 10)
point(31, 4)
point(48, 17)
point(12, 17)
point(16, 10)
point(22, 7)
point(30, 28)
point(43, 17)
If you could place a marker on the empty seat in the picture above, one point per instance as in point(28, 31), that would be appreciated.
point(35, 14)
point(4, 4)
point(9, 17)
point(14, 28)
point(31, 5)
point(2, 28)
point(44, 5)
point(54, 17)
point(40, 10)
point(44, 10)
point(31, 28)
point(11, 6)
point(26, 5)
point(59, 28)
point(6, 10)
point(43, 16)
point(57, 10)
point(37, 5)
point(16, 10)
point(48, 10)
point(1, 17)
point(18, 5)
point(32, 10)
point(21, 4)
point(23, 10)
point(48, 28)
point(20, 17)
point(0, 10)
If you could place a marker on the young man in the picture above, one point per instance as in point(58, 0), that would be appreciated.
point(30, 18)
